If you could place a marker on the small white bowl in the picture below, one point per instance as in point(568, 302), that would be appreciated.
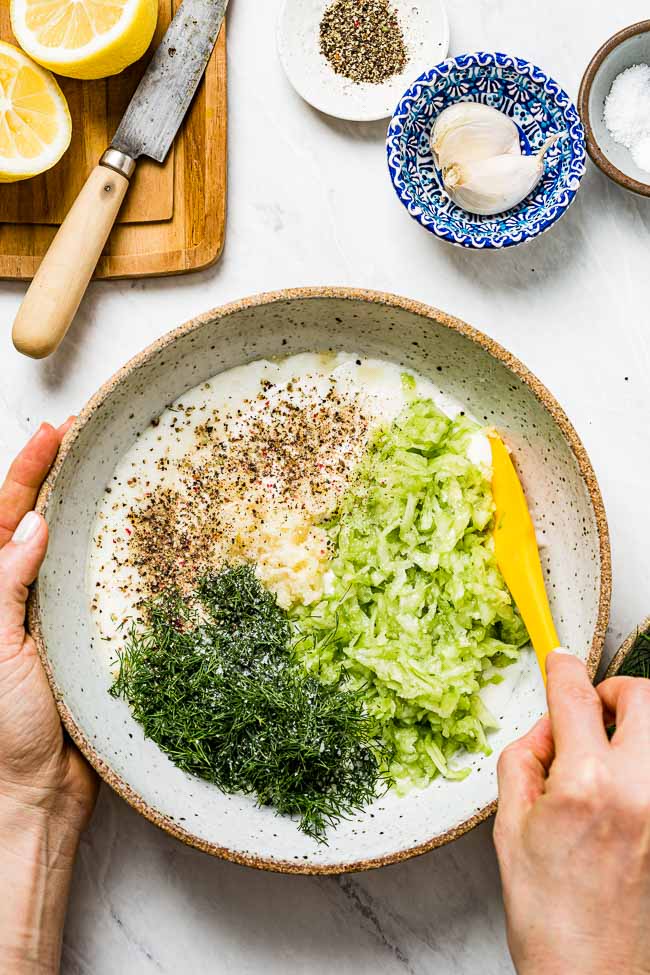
point(426, 34)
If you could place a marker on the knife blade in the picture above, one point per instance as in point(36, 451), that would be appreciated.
point(160, 101)
point(148, 128)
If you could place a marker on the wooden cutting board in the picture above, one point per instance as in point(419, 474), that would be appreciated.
point(173, 218)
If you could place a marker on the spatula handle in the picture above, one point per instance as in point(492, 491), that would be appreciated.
point(59, 284)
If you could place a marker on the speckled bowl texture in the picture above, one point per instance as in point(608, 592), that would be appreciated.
point(538, 106)
point(622, 652)
point(629, 46)
point(498, 389)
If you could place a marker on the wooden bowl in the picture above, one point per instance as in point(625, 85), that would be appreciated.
point(625, 647)
point(629, 46)
point(464, 363)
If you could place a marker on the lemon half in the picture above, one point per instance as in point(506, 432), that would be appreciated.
point(84, 38)
point(35, 125)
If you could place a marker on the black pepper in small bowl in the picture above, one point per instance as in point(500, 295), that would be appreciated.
point(363, 40)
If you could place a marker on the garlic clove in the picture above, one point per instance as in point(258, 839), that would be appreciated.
point(490, 186)
point(477, 140)
point(462, 115)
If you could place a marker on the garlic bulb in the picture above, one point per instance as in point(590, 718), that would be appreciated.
point(494, 184)
point(474, 141)
point(469, 130)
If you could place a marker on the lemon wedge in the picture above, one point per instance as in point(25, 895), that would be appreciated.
point(35, 125)
point(84, 38)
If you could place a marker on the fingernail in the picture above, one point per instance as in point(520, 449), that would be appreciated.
point(563, 650)
point(27, 528)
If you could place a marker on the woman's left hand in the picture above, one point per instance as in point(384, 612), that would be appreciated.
point(47, 790)
point(39, 768)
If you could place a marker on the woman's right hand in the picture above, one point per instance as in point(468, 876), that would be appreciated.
point(573, 829)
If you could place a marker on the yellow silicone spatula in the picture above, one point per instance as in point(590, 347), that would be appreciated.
point(517, 553)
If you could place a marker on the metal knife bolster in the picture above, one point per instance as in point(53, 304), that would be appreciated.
point(119, 162)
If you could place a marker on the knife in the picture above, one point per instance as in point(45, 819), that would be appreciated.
point(148, 128)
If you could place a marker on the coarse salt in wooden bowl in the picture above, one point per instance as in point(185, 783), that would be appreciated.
point(463, 363)
point(627, 47)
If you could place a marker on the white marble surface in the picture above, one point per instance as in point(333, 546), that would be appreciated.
point(310, 203)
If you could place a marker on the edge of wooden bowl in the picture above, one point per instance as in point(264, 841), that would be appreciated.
point(625, 647)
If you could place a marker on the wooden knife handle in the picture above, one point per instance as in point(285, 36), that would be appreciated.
point(59, 284)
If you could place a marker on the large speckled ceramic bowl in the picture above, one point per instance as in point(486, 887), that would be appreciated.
point(496, 387)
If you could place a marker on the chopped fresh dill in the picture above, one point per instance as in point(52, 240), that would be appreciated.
point(213, 682)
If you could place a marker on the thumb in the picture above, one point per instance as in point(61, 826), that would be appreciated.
point(20, 560)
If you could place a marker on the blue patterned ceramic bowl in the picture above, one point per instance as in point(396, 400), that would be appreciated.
point(538, 106)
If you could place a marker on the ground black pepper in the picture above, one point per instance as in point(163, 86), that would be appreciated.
point(286, 455)
point(362, 40)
